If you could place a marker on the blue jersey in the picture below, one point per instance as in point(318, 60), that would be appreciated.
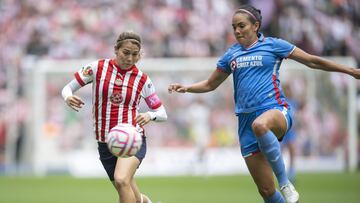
point(256, 73)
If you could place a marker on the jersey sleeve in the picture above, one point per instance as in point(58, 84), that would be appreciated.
point(223, 64)
point(86, 74)
point(282, 48)
point(149, 94)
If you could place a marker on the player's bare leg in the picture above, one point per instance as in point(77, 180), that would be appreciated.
point(140, 198)
point(268, 127)
point(123, 177)
point(262, 175)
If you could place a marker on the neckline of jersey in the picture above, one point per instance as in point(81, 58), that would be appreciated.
point(260, 39)
point(114, 62)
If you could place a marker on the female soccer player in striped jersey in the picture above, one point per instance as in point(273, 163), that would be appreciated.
point(117, 87)
point(264, 115)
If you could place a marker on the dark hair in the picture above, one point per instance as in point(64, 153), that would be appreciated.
point(253, 13)
point(128, 36)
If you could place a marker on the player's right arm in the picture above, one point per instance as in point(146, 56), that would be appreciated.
point(71, 100)
point(82, 77)
point(210, 84)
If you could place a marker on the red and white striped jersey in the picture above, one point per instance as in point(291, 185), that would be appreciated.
point(116, 94)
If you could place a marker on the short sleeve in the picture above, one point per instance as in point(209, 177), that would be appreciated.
point(282, 48)
point(149, 94)
point(86, 74)
point(223, 63)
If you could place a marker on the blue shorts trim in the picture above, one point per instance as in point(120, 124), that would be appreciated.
point(247, 138)
point(290, 137)
point(108, 160)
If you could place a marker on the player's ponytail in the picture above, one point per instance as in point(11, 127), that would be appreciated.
point(253, 13)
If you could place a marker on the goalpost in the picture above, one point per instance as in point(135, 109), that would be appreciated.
point(62, 140)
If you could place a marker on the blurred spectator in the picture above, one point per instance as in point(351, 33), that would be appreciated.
point(2, 140)
point(200, 130)
point(78, 29)
point(36, 46)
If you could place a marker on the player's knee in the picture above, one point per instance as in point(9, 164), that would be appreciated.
point(121, 182)
point(259, 127)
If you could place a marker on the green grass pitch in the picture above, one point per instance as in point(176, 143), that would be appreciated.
point(329, 188)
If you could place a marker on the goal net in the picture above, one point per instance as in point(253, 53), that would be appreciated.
point(200, 136)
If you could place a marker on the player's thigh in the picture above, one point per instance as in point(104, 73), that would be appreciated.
point(125, 168)
point(274, 120)
point(261, 173)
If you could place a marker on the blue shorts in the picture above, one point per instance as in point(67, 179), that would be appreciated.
point(108, 160)
point(290, 137)
point(247, 138)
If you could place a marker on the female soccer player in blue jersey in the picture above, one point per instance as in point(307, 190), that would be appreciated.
point(264, 115)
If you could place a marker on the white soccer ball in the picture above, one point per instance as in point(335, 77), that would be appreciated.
point(124, 140)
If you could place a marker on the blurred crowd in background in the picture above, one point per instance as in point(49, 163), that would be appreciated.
point(169, 28)
point(68, 29)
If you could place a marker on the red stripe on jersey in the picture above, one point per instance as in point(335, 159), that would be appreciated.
point(133, 112)
point(286, 105)
point(98, 77)
point(114, 109)
point(277, 91)
point(129, 90)
point(78, 79)
point(138, 92)
point(104, 101)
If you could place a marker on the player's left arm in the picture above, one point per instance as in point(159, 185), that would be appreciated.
point(157, 115)
point(158, 112)
point(320, 63)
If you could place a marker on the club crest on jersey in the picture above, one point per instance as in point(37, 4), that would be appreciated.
point(87, 71)
point(233, 65)
point(116, 98)
point(118, 81)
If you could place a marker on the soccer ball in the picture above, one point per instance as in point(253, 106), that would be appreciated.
point(124, 140)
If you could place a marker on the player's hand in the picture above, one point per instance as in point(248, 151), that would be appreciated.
point(75, 102)
point(143, 119)
point(177, 88)
point(356, 73)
